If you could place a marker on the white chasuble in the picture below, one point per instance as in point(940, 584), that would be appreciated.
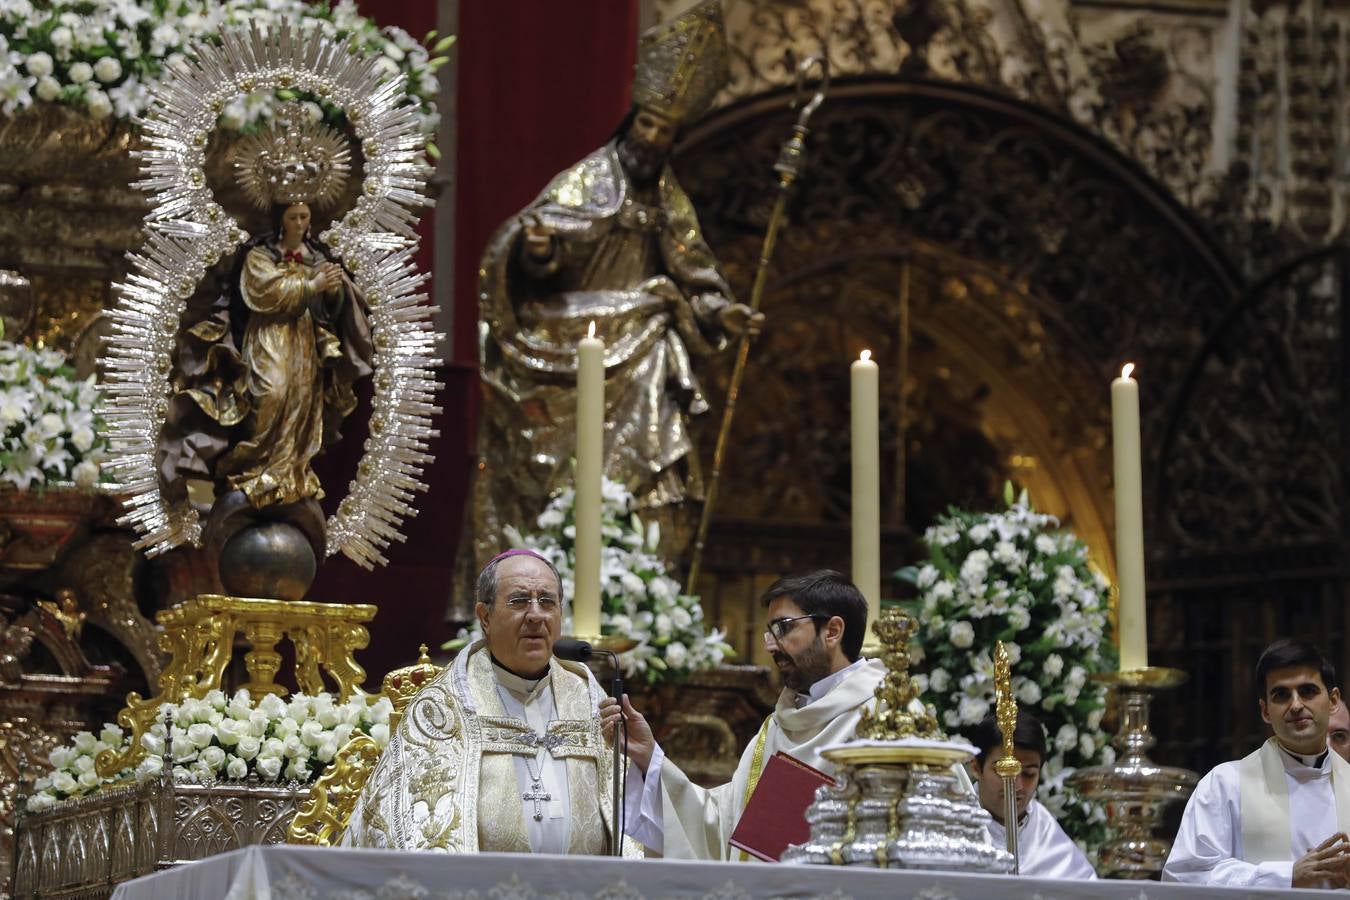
point(451, 778)
point(1043, 849)
point(686, 821)
point(1248, 821)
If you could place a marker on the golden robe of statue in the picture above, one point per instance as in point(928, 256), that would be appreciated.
point(448, 779)
point(266, 379)
point(633, 262)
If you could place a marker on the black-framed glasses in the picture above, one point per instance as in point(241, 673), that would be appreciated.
point(779, 628)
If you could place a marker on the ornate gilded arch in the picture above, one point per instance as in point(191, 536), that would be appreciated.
point(1038, 259)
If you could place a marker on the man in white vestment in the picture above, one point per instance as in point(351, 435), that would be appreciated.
point(1338, 730)
point(503, 751)
point(1278, 817)
point(1043, 849)
point(815, 633)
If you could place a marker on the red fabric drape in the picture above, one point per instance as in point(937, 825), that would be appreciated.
point(541, 83)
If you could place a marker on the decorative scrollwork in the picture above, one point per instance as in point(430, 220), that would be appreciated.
point(324, 815)
point(187, 231)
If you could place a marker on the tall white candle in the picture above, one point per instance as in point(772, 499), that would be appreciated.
point(590, 456)
point(863, 376)
point(1129, 521)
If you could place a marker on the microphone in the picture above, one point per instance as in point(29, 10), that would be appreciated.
point(572, 650)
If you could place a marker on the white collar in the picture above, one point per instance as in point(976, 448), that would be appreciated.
point(1304, 764)
point(828, 683)
point(528, 688)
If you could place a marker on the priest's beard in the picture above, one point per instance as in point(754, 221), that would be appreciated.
point(640, 160)
point(804, 669)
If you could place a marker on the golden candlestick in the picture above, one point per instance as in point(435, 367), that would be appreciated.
point(1008, 766)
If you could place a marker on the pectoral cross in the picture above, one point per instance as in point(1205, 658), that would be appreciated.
point(538, 795)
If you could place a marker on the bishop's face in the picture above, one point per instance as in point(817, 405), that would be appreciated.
point(1298, 705)
point(525, 616)
point(644, 147)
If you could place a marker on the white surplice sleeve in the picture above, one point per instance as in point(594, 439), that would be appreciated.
point(643, 819)
point(1208, 846)
point(1046, 851)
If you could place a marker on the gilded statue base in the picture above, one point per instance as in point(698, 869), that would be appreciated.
point(199, 636)
point(83, 848)
point(1135, 790)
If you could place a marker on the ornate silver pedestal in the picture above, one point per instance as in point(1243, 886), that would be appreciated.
point(899, 803)
point(1135, 790)
point(899, 806)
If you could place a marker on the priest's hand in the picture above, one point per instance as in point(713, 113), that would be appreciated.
point(609, 715)
point(1327, 864)
point(641, 741)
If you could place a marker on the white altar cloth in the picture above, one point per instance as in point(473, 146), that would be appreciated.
point(279, 872)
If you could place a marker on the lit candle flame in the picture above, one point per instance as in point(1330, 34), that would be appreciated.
point(590, 332)
point(865, 355)
point(1126, 370)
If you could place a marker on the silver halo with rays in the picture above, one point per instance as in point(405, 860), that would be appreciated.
point(186, 232)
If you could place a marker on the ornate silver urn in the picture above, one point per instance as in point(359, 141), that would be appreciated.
point(899, 803)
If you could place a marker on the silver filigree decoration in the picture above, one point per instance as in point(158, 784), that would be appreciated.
point(186, 232)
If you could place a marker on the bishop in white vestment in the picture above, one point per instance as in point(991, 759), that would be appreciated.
point(1278, 817)
point(504, 750)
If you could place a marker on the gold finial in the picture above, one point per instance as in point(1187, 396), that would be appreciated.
point(294, 161)
point(899, 713)
point(401, 685)
point(1005, 709)
point(682, 64)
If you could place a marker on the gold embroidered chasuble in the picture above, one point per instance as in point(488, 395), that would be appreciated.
point(452, 758)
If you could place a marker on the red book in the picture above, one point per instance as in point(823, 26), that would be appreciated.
point(776, 813)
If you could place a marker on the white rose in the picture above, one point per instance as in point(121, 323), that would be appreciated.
point(1066, 737)
point(311, 733)
point(236, 768)
point(60, 757)
point(1029, 692)
point(273, 747)
point(258, 722)
point(972, 709)
point(680, 617)
point(379, 713)
point(1077, 677)
point(677, 655)
point(213, 757)
point(248, 747)
point(662, 625)
point(39, 64)
point(48, 89)
point(387, 67)
point(327, 718)
point(228, 732)
point(961, 634)
point(1053, 665)
point(153, 744)
point(80, 72)
point(939, 680)
point(108, 69)
point(64, 782)
point(1094, 719)
point(298, 769)
point(85, 473)
point(39, 802)
point(327, 749)
point(148, 768)
point(269, 768)
point(100, 104)
point(62, 38)
point(89, 779)
point(380, 734)
point(200, 735)
point(84, 764)
point(1086, 745)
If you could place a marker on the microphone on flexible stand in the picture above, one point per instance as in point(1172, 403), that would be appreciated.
point(575, 650)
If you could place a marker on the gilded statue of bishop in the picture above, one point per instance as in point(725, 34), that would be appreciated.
point(612, 240)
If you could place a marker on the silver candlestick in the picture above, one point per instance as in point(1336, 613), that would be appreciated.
point(1135, 790)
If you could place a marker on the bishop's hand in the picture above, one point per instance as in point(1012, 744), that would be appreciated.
point(1327, 864)
point(737, 318)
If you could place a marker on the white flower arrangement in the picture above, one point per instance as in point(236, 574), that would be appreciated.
point(102, 56)
point(220, 738)
point(49, 431)
point(1015, 576)
point(639, 600)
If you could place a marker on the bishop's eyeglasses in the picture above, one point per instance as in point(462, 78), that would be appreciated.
point(779, 628)
point(547, 605)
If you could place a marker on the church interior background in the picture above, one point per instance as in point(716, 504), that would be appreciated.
point(1005, 200)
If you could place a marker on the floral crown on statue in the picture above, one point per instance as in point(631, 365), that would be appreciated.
point(682, 64)
point(294, 161)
